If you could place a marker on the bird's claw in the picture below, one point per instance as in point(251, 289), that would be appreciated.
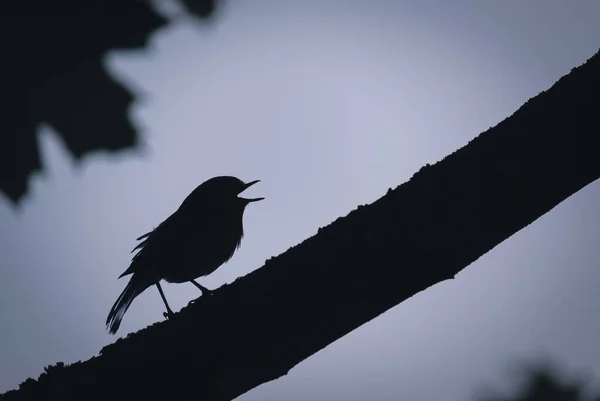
point(168, 315)
point(204, 292)
point(193, 301)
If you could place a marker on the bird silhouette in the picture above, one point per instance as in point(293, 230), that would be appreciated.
point(193, 242)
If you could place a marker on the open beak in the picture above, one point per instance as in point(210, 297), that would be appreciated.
point(249, 184)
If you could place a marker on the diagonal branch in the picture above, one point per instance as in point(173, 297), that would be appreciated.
point(421, 233)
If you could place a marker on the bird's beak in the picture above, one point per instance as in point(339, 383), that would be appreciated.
point(249, 184)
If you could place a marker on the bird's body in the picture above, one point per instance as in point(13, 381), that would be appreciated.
point(193, 242)
point(215, 235)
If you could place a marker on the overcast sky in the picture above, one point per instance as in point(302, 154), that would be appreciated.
point(329, 103)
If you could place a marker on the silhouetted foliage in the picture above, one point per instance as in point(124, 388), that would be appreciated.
point(200, 8)
point(543, 382)
point(421, 233)
point(51, 72)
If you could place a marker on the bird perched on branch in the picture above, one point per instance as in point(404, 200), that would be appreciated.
point(193, 242)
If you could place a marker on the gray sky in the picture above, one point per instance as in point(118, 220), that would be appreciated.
point(329, 103)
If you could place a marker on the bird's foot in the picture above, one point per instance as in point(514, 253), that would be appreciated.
point(207, 292)
point(168, 314)
point(193, 301)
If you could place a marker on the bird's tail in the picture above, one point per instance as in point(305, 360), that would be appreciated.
point(135, 287)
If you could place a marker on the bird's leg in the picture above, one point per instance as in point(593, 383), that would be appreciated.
point(169, 312)
point(201, 288)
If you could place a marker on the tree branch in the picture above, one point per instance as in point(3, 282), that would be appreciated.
point(419, 234)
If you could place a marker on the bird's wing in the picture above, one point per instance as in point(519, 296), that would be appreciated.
point(160, 241)
point(150, 237)
point(145, 235)
point(141, 244)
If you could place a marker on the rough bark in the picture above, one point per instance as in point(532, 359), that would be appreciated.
point(421, 233)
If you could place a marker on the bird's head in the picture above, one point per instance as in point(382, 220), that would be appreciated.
point(227, 188)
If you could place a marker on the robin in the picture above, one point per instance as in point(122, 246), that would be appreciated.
point(193, 242)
